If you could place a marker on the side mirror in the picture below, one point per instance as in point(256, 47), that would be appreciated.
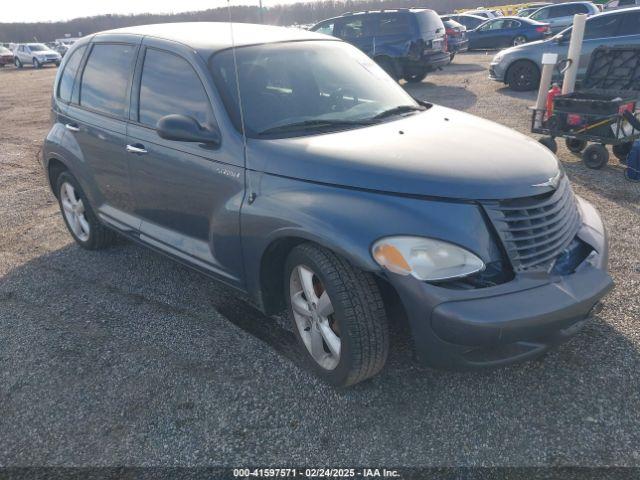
point(181, 128)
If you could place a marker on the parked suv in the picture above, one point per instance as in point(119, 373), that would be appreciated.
point(520, 67)
point(293, 168)
point(560, 16)
point(36, 54)
point(405, 43)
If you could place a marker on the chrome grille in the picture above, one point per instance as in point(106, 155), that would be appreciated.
point(535, 230)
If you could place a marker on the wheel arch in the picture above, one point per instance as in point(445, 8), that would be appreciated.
point(54, 168)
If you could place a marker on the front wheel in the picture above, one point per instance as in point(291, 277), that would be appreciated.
point(622, 151)
point(523, 76)
point(18, 63)
point(595, 156)
point(338, 315)
point(83, 224)
point(36, 63)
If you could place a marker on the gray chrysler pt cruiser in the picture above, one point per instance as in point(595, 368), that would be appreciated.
point(289, 166)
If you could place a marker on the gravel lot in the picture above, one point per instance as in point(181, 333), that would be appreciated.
point(124, 358)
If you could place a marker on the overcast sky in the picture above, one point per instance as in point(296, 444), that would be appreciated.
point(53, 10)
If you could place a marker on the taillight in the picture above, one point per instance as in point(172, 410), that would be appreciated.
point(628, 107)
point(453, 32)
point(542, 29)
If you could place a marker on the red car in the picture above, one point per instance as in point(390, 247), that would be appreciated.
point(6, 57)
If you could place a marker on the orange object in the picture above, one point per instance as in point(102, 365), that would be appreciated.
point(553, 93)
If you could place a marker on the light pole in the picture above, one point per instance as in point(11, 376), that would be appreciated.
point(261, 14)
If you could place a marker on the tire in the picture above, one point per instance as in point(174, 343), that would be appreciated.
point(574, 145)
point(416, 78)
point(93, 235)
point(595, 156)
point(519, 40)
point(523, 76)
point(36, 63)
point(622, 151)
point(451, 57)
point(355, 315)
point(550, 143)
point(18, 63)
point(389, 66)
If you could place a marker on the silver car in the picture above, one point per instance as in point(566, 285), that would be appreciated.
point(36, 54)
point(520, 67)
point(560, 15)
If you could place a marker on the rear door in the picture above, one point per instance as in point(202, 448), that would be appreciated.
point(357, 30)
point(391, 31)
point(187, 194)
point(96, 118)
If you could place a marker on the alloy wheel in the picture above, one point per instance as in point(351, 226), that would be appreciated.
point(519, 40)
point(74, 212)
point(314, 317)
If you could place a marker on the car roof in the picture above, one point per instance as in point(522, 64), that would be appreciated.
point(466, 15)
point(210, 37)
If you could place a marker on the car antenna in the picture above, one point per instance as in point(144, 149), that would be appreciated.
point(235, 68)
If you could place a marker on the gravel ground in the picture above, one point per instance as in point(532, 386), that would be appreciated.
point(125, 358)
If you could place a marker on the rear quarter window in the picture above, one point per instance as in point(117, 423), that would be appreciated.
point(429, 22)
point(65, 87)
point(393, 24)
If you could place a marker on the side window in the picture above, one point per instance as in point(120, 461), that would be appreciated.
point(630, 24)
point(393, 24)
point(106, 77)
point(541, 14)
point(604, 26)
point(69, 74)
point(169, 85)
point(326, 28)
point(352, 29)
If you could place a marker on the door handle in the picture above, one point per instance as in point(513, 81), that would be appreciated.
point(137, 149)
point(71, 127)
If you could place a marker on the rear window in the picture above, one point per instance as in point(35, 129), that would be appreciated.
point(105, 79)
point(429, 22)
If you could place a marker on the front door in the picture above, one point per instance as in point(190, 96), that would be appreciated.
point(188, 195)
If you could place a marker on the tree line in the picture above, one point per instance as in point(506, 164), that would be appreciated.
point(291, 14)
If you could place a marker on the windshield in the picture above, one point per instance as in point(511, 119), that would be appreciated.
point(301, 87)
point(37, 47)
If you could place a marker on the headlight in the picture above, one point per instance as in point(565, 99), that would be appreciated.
point(425, 258)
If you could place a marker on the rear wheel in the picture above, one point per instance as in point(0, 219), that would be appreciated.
point(416, 77)
point(519, 40)
point(390, 66)
point(83, 224)
point(523, 76)
point(595, 156)
point(622, 151)
point(574, 145)
point(337, 314)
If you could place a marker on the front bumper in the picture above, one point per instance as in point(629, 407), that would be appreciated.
point(511, 322)
point(497, 72)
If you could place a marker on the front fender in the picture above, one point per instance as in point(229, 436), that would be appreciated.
point(348, 221)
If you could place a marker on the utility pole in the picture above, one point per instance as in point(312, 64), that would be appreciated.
point(261, 14)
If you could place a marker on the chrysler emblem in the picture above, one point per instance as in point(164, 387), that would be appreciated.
point(552, 182)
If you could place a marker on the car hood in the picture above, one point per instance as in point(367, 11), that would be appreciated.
point(45, 52)
point(437, 153)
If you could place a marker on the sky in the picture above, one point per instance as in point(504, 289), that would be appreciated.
point(54, 10)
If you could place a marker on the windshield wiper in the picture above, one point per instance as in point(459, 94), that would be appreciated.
point(398, 110)
point(314, 125)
